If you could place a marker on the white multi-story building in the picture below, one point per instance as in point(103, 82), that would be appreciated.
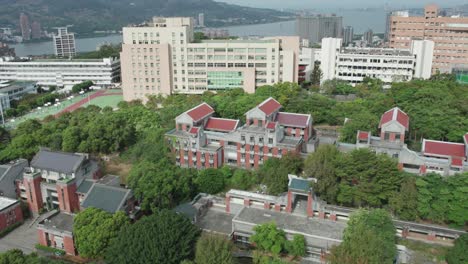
point(64, 43)
point(61, 73)
point(388, 65)
point(307, 59)
point(161, 58)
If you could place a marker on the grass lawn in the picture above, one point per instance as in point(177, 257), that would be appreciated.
point(110, 100)
point(425, 253)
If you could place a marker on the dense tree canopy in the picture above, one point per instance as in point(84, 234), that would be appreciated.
point(161, 184)
point(94, 229)
point(274, 172)
point(458, 254)
point(213, 249)
point(164, 237)
point(443, 199)
point(368, 238)
point(359, 178)
point(211, 181)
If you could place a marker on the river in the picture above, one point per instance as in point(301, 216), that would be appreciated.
point(360, 20)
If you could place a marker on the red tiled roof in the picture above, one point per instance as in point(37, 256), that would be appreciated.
point(457, 162)
point(441, 148)
point(397, 115)
point(363, 135)
point(221, 124)
point(194, 130)
point(293, 120)
point(269, 106)
point(199, 112)
point(271, 125)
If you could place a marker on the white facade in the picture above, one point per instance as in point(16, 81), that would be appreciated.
point(64, 43)
point(307, 58)
point(61, 73)
point(161, 58)
point(388, 65)
point(424, 51)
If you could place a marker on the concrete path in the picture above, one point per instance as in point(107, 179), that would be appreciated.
point(23, 237)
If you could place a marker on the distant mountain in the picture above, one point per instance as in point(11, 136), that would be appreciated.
point(92, 15)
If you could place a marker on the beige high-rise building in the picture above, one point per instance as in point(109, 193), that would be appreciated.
point(450, 35)
point(162, 58)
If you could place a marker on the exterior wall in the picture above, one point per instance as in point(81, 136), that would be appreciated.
point(68, 242)
point(32, 185)
point(146, 69)
point(388, 65)
point(424, 52)
point(330, 49)
point(10, 216)
point(68, 198)
point(62, 73)
point(193, 66)
point(450, 35)
point(315, 28)
point(64, 43)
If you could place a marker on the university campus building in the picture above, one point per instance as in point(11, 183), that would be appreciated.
point(61, 72)
point(450, 35)
point(201, 140)
point(444, 158)
point(161, 57)
point(388, 65)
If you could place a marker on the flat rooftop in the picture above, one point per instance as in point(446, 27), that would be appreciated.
point(374, 51)
point(296, 223)
point(59, 222)
point(6, 202)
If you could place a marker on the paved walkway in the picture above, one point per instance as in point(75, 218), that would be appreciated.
point(23, 237)
point(83, 101)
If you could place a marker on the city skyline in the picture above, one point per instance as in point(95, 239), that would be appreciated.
point(312, 4)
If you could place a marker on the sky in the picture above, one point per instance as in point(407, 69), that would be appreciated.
point(311, 4)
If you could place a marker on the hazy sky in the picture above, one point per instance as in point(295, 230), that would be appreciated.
point(342, 3)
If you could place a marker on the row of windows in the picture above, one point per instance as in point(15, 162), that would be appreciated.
point(235, 50)
point(229, 65)
point(230, 57)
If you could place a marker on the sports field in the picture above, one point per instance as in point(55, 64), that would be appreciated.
point(101, 98)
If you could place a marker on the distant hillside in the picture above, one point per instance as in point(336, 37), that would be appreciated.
point(91, 15)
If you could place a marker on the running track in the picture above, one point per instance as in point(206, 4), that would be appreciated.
point(83, 101)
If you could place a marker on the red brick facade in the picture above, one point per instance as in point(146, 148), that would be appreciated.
point(32, 184)
point(68, 198)
point(10, 216)
point(49, 240)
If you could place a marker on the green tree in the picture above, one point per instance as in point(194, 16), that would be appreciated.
point(94, 229)
point(368, 238)
point(321, 165)
point(366, 178)
point(210, 181)
point(213, 249)
point(161, 184)
point(297, 246)
point(243, 179)
point(164, 237)
point(84, 86)
point(457, 254)
point(16, 256)
point(404, 203)
point(268, 237)
point(317, 74)
point(274, 172)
